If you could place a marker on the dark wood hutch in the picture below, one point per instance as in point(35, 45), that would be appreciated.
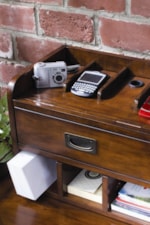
point(57, 124)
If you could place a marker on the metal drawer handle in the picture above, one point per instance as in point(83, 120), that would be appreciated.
point(80, 143)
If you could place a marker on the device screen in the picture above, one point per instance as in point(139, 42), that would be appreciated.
point(92, 78)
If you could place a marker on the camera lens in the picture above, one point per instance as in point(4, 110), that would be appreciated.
point(59, 78)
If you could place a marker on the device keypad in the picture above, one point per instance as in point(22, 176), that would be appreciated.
point(88, 88)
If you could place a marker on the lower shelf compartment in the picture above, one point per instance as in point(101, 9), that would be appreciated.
point(73, 192)
point(133, 200)
point(87, 185)
point(45, 210)
point(88, 190)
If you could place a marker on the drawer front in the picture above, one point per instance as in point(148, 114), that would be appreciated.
point(96, 147)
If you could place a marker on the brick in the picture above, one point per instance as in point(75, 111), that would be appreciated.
point(9, 70)
point(71, 26)
point(125, 35)
point(140, 7)
point(6, 49)
point(51, 2)
point(17, 17)
point(32, 49)
point(113, 5)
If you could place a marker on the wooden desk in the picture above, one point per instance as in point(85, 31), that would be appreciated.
point(103, 134)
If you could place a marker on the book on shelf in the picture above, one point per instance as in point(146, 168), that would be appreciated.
point(136, 194)
point(88, 185)
point(130, 210)
point(127, 203)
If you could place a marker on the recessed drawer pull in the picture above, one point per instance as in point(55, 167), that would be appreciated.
point(80, 143)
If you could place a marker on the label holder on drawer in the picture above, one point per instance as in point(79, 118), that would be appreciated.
point(80, 143)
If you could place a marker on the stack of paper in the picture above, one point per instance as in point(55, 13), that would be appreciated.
point(88, 185)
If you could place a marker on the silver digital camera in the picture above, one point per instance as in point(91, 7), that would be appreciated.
point(50, 74)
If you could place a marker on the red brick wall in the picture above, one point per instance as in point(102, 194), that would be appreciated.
point(29, 29)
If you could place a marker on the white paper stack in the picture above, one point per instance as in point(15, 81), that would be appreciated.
point(88, 187)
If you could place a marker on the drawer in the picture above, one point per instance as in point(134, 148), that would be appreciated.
point(96, 147)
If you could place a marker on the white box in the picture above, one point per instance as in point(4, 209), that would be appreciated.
point(31, 174)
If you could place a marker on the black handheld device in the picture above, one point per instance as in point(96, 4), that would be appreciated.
point(88, 83)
